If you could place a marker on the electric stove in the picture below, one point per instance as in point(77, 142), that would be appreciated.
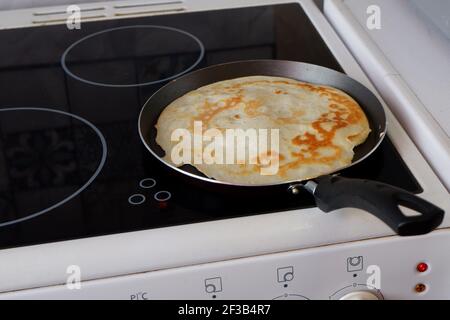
point(72, 164)
point(73, 161)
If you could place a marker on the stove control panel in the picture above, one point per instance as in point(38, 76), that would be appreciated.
point(390, 268)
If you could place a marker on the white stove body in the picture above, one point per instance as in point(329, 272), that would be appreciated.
point(319, 273)
point(293, 255)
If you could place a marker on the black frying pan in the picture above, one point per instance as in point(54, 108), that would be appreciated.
point(330, 192)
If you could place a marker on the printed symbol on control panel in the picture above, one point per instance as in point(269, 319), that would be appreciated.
point(213, 285)
point(285, 274)
point(355, 264)
point(139, 296)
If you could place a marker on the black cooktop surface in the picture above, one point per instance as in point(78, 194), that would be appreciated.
point(71, 161)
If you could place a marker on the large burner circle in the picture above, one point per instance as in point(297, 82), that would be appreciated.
point(47, 158)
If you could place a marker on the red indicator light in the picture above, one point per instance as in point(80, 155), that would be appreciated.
point(422, 267)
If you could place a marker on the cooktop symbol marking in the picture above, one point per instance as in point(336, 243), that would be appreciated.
point(136, 199)
point(285, 274)
point(71, 47)
point(213, 285)
point(355, 264)
point(163, 196)
point(83, 187)
point(147, 183)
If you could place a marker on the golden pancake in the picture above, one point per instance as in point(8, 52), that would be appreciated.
point(318, 127)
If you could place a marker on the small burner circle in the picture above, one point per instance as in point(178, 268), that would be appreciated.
point(162, 196)
point(136, 199)
point(85, 185)
point(197, 41)
point(147, 183)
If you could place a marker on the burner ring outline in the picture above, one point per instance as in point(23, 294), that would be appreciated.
point(95, 83)
point(85, 185)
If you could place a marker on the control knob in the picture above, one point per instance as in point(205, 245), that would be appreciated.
point(360, 295)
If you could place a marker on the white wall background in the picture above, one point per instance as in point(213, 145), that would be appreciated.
point(437, 11)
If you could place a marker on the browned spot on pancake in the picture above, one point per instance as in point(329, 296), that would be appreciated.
point(210, 110)
point(251, 108)
point(307, 86)
point(236, 116)
point(344, 112)
point(292, 119)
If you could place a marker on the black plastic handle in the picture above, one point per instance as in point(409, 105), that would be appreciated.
point(382, 200)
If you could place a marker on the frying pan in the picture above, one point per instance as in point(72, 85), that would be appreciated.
point(331, 192)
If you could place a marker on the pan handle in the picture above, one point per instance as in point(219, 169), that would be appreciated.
point(381, 200)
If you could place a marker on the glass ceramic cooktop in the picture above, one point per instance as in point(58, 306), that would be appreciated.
point(71, 161)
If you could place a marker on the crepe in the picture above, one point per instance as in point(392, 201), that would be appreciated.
point(318, 127)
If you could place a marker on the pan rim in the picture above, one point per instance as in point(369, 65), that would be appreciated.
point(382, 134)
